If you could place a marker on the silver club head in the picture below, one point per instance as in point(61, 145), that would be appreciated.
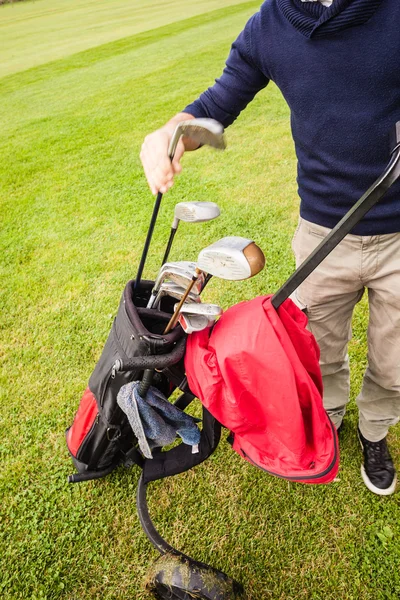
point(206, 132)
point(183, 279)
point(192, 323)
point(233, 258)
point(210, 311)
point(182, 265)
point(195, 212)
point(175, 291)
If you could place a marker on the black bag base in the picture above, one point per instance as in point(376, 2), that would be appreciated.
point(132, 457)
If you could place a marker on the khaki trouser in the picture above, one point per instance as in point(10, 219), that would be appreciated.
point(329, 295)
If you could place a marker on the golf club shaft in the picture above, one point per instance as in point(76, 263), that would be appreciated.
point(171, 153)
point(169, 245)
point(206, 280)
point(148, 240)
point(345, 225)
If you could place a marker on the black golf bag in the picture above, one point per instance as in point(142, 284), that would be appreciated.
point(101, 438)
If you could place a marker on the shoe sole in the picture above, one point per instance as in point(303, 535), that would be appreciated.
point(372, 488)
point(379, 491)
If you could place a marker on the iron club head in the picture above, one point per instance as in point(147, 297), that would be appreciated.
point(206, 132)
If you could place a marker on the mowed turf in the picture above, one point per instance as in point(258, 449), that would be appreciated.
point(75, 209)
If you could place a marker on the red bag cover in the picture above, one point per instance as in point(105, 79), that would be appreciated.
point(258, 374)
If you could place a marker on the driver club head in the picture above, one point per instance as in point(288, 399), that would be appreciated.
point(195, 212)
point(233, 258)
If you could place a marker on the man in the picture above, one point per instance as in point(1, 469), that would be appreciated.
point(337, 64)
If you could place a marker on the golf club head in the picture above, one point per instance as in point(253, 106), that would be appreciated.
point(195, 212)
point(175, 291)
point(233, 258)
point(176, 283)
point(192, 323)
point(211, 311)
point(206, 132)
point(183, 279)
point(179, 273)
point(182, 265)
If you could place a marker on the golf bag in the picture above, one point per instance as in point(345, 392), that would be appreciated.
point(101, 437)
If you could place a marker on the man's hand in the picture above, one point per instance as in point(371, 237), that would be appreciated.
point(158, 168)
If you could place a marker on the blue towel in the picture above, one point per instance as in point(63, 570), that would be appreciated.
point(154, 420)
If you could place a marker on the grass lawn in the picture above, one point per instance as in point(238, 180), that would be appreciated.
point(81, 85)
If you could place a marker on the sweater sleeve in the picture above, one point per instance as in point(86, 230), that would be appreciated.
point(239, 82)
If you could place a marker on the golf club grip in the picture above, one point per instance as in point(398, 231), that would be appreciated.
point(156, 361)
point(345, 225)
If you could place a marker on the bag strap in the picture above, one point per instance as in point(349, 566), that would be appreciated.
point(345, 225)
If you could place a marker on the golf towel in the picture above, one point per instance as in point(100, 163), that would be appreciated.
point(154, 420)
point(258, 374)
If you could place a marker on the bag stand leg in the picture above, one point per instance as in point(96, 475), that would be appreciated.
point(176, 576)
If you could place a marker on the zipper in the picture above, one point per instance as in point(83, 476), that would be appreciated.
point(299, 477)
point(116, 367)
point(85, 442)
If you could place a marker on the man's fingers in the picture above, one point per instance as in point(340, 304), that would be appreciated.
point(148, 173)
point(156, 163)
point(176, 165)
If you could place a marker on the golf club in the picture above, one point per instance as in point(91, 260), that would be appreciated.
point(190, 212)
point(210, 311)
point(233, 258)
point(206, 132)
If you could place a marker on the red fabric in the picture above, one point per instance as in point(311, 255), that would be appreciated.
point(258, 374)
point(83, 421)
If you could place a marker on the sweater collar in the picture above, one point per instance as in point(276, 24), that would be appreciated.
point(314, 20)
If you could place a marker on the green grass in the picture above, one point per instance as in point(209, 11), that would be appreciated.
point(74, 212)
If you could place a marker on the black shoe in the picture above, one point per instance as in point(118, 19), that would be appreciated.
point(378, 472)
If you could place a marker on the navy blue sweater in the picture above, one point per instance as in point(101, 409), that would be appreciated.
point(338, 69)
